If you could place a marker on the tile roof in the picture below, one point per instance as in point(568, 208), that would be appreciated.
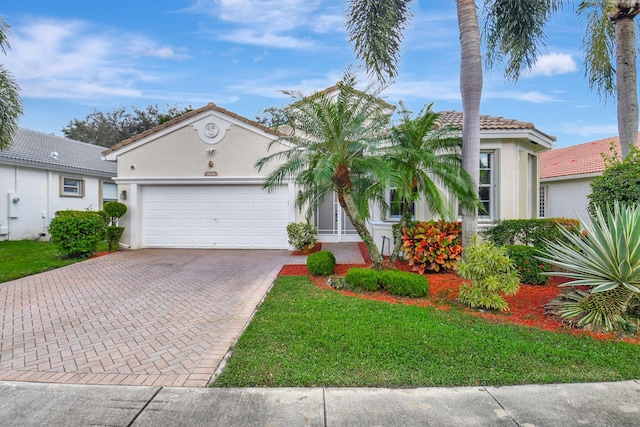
point(31, 148)
point(209, 107)
point(455, 118)
point(581, 159)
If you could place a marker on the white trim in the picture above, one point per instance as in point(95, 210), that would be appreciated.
point(568, 177)
point(193, 181)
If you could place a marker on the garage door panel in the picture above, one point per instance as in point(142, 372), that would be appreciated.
point(223, 216)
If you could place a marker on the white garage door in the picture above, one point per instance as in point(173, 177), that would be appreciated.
point(214, 216)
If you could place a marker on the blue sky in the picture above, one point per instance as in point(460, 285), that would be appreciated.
point(71, 57)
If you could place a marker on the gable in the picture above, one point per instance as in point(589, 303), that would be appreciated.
point(212, 142)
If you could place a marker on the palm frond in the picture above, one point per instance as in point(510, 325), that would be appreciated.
point(375, 28)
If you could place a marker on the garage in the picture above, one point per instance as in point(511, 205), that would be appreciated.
point(214, 216)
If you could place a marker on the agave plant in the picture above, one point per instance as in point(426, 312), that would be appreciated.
point(606, 258)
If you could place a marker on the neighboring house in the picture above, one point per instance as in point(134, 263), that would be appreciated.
point(41, 174)
point(191, 183)
point(509, 152)
point(566, 174)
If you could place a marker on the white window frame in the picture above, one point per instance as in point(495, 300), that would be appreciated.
point(542, 207)
point(396, 217)
point(491, 185)
point(67, 189)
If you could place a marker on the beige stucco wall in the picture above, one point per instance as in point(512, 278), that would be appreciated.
point(181, 153)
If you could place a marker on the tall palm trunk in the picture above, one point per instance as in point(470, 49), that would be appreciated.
point(626, 83)
point(471, 91)
point(348, 204)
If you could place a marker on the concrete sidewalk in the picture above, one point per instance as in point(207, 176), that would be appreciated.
point(596, 404)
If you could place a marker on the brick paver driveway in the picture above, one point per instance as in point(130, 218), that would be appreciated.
point(149, 317)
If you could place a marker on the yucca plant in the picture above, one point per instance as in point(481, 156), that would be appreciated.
point(605, 258)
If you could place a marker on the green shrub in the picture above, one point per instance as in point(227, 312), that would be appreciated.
point(115, 210)
point(530, 269)
point(491, 273)
point(363, 278)
point(322, 263)
point(405, 284)
point(113, 234)
point(301, 235)
point(77, 233)
point(529, 232)
point(620, 182)
point(433, 245)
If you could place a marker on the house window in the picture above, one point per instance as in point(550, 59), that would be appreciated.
point(485, 190)
point(395, 211)
point(71, 187)
point(543, 202)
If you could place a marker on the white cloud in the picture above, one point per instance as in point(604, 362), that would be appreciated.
point(70, 59)
point(535, 97)
point(272, 23)
point(248, 36)
point(589, 130)
point(554, 63)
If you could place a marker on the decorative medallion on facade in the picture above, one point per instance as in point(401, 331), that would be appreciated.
point(211, 129)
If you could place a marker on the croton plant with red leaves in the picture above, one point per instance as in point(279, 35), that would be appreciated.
point(432, 246)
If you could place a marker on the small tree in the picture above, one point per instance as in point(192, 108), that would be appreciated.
point(114, 210)
point(620, 181)
point(491, 273)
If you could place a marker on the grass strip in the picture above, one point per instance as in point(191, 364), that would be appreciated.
point(303, 336)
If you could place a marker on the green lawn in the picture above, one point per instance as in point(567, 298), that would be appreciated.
point(304, 336)
point(25, 257)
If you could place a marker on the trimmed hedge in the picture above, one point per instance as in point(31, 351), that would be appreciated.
point(529, 232)
point(395, 282)
point(321, 263)
point(77, 233)
point(405, 284)
point(529, 268)
point(363, 278)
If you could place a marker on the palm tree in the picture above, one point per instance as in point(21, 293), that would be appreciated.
point(328, 144)
point(10, 101)
point(426, 160)
point(611, 27)
point(514, 28)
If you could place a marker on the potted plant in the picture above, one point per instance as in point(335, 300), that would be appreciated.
point(114, 210)
point(302, 236)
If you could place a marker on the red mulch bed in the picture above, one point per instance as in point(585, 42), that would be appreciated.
point(525, 308)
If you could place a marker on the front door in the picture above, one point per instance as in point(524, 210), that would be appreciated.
point(332, 222)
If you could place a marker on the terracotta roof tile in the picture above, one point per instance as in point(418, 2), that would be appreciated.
point(209, 107)
point(578, 159)
point(455, 118)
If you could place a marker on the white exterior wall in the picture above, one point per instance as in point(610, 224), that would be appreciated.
point(38, 191)
point(568, 197)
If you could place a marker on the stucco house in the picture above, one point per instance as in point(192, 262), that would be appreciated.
point(566, 174)
point(191, 183)
point(509, 151)
point(41, 174)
